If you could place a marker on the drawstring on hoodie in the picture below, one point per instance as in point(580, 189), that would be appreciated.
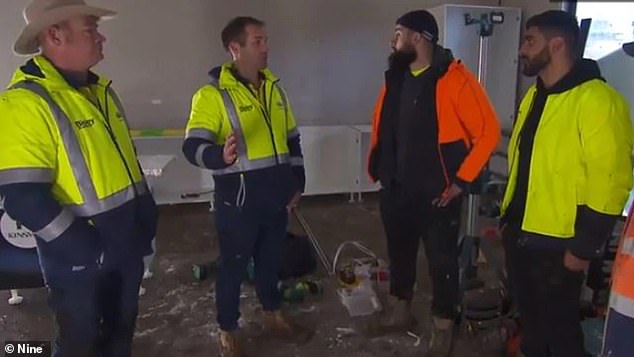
point(241, 197)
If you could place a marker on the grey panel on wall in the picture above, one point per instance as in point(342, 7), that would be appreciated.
point(159, 52)
point(329, 54)
point(618, 70)
point(500, 79)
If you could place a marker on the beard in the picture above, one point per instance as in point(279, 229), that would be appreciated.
point(401, 59)
point(532, 66)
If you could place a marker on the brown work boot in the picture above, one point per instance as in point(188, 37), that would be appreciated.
point(276, 325)
point(441, 341)
point(229, 344)
point(397, 316)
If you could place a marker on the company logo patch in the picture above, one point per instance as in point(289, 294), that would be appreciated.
point(83, 124)
point(246, 108)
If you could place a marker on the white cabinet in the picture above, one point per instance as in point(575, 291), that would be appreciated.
point(362, 182)
point(178, 181)
point(335, 160)
point(330, 158)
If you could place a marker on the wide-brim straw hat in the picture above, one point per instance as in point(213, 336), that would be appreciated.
point(40, 14)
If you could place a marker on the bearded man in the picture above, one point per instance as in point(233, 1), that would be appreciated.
point(434, 130)
point(570, 174)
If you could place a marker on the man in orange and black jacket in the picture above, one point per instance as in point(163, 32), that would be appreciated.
point(433, 131)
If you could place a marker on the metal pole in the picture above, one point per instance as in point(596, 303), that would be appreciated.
point(470, 248)
point(473, 203)
point(482, 60)
point(325, 261)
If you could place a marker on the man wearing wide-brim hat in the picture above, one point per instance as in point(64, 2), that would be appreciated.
point(69, 173)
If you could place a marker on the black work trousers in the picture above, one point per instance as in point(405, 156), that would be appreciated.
point(547, 296)
point(406, 220)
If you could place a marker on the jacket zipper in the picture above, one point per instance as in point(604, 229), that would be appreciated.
point(267, 118)
point(444, 166)
point(441, 157)
point(270, 119)
point(517, 142)
point(108, 127)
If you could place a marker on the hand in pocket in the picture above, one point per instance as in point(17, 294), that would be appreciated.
point(575, 264)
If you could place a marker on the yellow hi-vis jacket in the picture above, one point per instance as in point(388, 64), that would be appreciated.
point(261, 120)
point(52, 133)
point(581, 156)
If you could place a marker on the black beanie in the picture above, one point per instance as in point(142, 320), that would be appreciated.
point(420, 21)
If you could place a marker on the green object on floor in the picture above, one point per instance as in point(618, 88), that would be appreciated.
point(293, 294)
point(296, 293)
point(203, 271)
point(593, 335)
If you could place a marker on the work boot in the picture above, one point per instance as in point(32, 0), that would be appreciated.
point(441, 341)
point(229, 345)
point(276, 325)
point(397, 316)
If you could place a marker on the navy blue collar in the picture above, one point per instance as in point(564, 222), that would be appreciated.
point(77, 83)
point(32, 68)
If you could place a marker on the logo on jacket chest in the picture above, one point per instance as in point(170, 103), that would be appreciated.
point(246, 108)
point(84, 124)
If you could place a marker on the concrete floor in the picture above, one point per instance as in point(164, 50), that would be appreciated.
point(177, 317)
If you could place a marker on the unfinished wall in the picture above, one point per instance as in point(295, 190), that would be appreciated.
point(529, 9)
point(330, 54)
